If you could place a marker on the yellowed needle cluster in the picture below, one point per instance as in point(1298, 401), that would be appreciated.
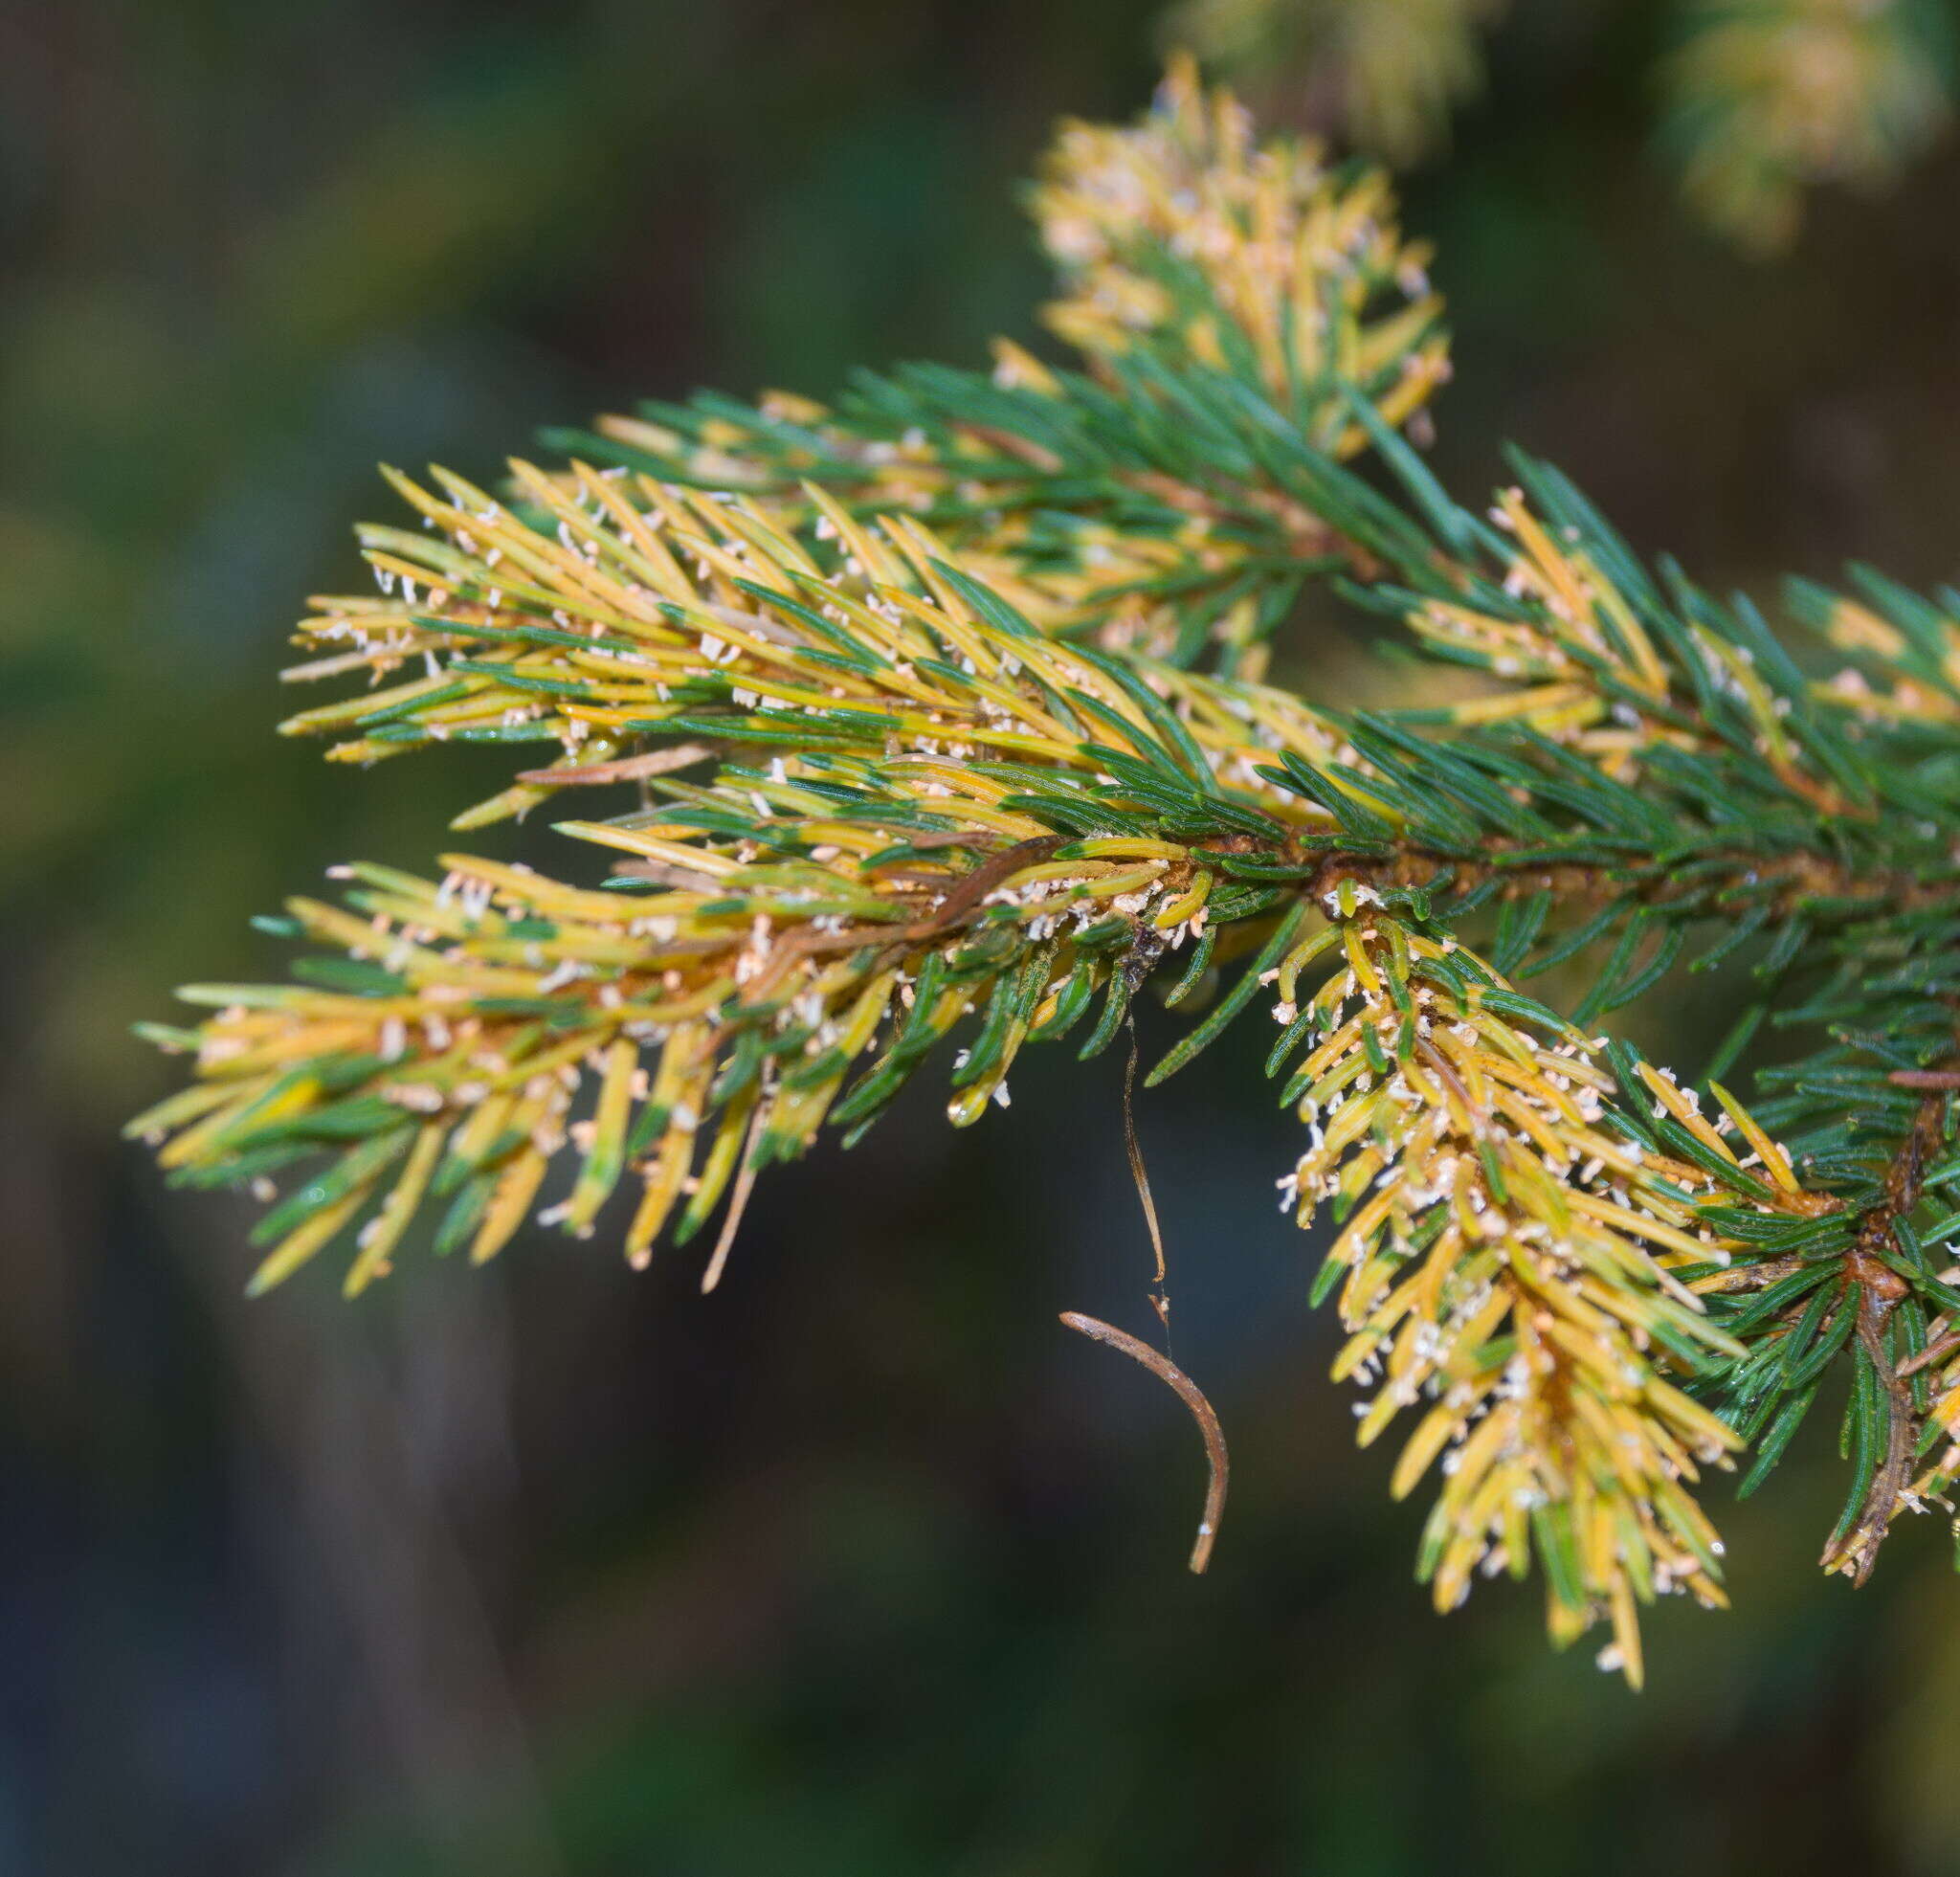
point(647, 600)
point(1896, 680)
point(493, 998)
point(1577, 665)
point(980, 488)
point(1503, 1267)
point(1294, 262)
point(1564, 626)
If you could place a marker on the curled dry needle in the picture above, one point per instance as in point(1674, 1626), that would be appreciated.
point(1217, 1461)
point(1164, 1366)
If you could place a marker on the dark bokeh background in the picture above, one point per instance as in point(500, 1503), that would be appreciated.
point(861, 1565)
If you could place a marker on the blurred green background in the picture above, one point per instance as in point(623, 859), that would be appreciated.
point(861, 1565)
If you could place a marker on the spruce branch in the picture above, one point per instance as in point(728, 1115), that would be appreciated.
point(902, 764)
point(955, 814)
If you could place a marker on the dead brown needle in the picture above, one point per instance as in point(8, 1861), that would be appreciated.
point(1201, 1411)
point(1160, 1294)
point(738, 1204)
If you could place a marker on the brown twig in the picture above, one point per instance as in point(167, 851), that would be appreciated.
point(967, 891)
point(1879, 1289)
point(1201, 1411)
